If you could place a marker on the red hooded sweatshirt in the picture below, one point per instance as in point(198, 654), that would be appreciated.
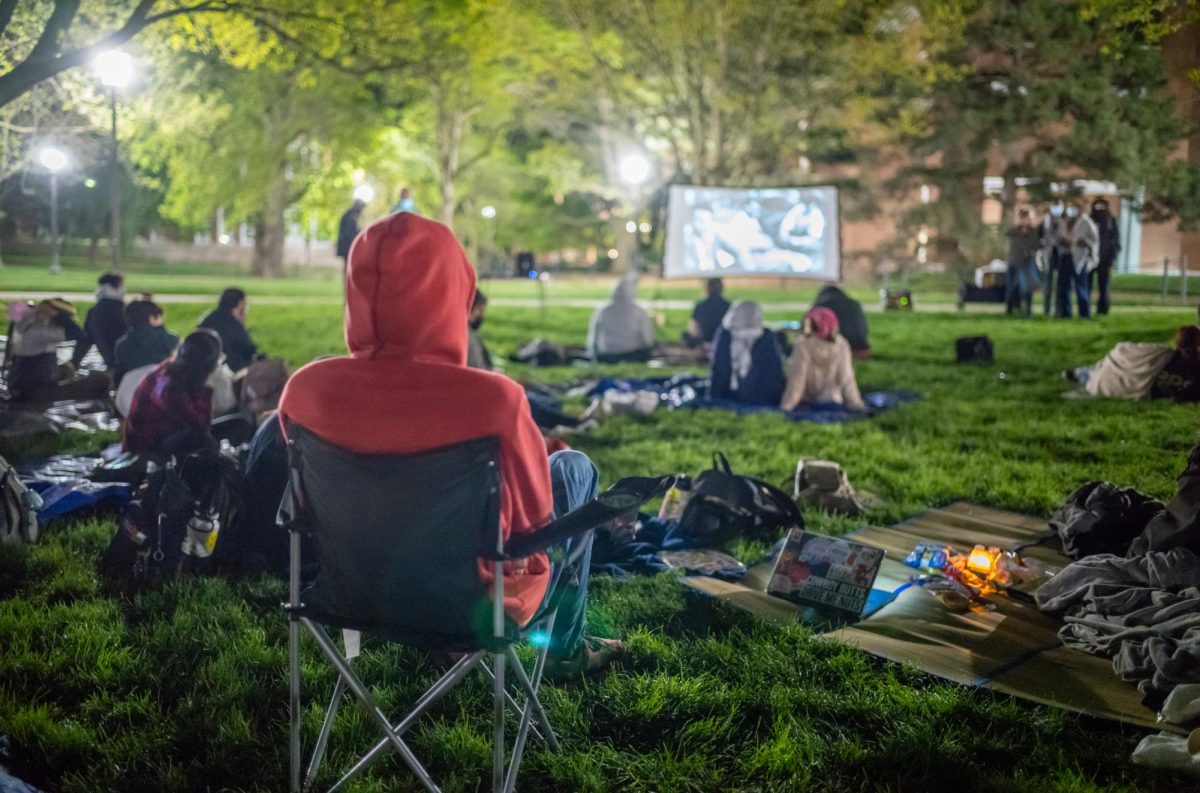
point(406, 388)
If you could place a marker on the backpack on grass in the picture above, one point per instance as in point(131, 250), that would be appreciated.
point(18, 507)
point(173, 522)
point(725, 505)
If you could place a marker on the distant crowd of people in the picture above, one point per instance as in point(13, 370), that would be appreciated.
point(1066, 252)
point(167, 391)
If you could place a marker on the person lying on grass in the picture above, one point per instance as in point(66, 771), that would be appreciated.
point(171, 411)
point(747, 364)
point(406, 388)
point(820, 368)
point(1133, 370)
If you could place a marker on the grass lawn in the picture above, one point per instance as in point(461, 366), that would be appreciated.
point(184, 688)
point(27, 272)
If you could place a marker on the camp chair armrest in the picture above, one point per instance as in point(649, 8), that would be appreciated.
point(625, 496)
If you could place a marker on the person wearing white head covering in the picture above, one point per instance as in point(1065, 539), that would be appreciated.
point(621, 330)
point(747, 362)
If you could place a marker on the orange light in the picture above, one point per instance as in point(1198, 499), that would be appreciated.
point(981, 560)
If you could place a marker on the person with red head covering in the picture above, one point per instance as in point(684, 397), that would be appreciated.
point(405, 388)
point(820, 368)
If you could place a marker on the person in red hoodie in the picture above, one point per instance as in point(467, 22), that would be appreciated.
point(405, 388)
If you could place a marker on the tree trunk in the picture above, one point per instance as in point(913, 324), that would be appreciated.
point(270, 231)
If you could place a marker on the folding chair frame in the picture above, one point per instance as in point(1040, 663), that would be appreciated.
point(504, 658)
point(626, 495)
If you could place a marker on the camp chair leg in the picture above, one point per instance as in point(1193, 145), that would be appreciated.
point(294, 661)
point(531, 698)
point(498, 692)
point(318, 755)
point(369, 703)
point(438, 690)
point(294, 701)
point(514, 765)
point(513, 705)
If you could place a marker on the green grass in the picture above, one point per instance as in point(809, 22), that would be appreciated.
point(27, 272)
point(184, 688)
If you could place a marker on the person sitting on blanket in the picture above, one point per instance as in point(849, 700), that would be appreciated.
point(707, 315)
point(405, 388)
point(747, 364)
point(478, 356)
point(105, 321)
point(1133, 370)
point(228, 319)
point(820, 368)
point(621, 330)
point(146, 343)
point(171, 411)
point(34, 373)
point(852, 322)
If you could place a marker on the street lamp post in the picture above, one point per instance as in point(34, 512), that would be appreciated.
point(54, 160)
point(115, 70)
point(634, 169)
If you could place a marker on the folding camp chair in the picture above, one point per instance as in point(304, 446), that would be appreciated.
point(396, 542)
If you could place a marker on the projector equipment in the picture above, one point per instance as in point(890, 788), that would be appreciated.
point(526, 265)
point(896, 299)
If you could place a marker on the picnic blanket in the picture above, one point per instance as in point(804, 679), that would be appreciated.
point(688, 390)
point(819, 412)
point(64, 486)
point(1014, 648)
point(17, 420)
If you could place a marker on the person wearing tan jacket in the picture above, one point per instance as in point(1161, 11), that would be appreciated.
point(820, 367)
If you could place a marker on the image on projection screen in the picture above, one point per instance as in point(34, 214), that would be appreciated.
point(788, 231)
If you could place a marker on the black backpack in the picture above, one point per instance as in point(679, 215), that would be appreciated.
point(18, 507)
point(974, 349)
point(149, 541)
point(725, 505)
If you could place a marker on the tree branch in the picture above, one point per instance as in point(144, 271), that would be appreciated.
point(7, 7)
point(45, 61)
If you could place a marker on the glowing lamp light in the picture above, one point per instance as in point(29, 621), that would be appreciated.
point(364, 193)
point(89, 183)
point(488, 212)
point(644, 228)
point(224, 239)
point(53, 159)
point(634, 169)
point(631, 227)
point(114, 68)
point(533, 275)
point(539, 638)
point(613, 253)
point(981, 560)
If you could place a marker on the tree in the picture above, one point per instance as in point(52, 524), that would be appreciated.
point(38, 46)
point(1037, 91)
point(241, 123)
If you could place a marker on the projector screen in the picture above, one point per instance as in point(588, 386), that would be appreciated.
point(787, 231)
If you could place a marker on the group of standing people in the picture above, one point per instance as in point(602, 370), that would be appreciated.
point(1068, 253)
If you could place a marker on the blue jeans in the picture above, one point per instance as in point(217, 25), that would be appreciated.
point(1070, 281)
point(1018, 287)
point(575, 481)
